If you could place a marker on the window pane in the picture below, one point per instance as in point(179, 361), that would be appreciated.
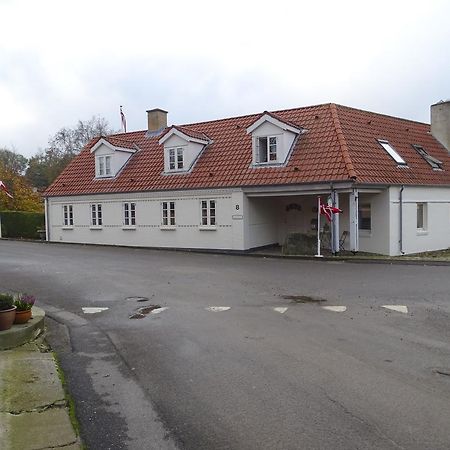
point(392, 152)
point(107, 165)
point(180, 158)
point(172, 159)
point(262, 149)
point(420, 215)
point(101, 165)
point(364, 219)
point(272, 148)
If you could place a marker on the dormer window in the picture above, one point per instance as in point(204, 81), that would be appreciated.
point(182, 148)
point(176, 158)
point(392, 152)
point(111, 155)
point(266, 149)
point(104, 166)
point(273, 140)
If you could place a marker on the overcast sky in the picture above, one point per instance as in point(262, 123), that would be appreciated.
point(61, 61)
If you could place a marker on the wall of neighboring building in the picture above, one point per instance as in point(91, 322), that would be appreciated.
point(435, 235)
point(187, 233)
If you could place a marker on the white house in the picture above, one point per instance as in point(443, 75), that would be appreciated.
point(246, 182)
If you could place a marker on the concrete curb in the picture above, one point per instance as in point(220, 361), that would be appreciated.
point(18, 335)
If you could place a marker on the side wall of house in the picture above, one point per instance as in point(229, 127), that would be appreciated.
point(435, 233)
point(187, 233)
point(377, 239)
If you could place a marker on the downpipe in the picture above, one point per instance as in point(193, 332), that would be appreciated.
point(401, 219)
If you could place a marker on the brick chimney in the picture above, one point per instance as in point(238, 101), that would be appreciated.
point(440, 122)
point(157, 121)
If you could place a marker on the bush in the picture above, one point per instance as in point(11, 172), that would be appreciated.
point(6, 301)
point(21, 224)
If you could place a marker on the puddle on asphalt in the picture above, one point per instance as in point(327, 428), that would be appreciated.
point(442, 371)
point(137, 299)
point(303, 299)
point(144, 311)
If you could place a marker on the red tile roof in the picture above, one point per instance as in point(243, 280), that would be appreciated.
point(340, 144)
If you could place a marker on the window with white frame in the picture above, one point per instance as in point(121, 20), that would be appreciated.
point(266, 149)
point(104, 166)
point(68, 215)
point(208, 213)
point(176, 158)
point(168, 214)
point(421, 209)
point(392, 152)
point(129, 214)
point(364, 217)
point(96, 215)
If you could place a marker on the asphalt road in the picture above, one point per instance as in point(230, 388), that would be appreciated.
point(250, 377)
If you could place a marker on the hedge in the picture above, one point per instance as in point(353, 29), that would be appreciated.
point(21, 224)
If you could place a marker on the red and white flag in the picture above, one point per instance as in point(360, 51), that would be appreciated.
point(327, 210)
point(123, 120)
point(3, 188)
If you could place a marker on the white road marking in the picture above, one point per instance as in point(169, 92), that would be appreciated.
point(399, 308)
point(280, 309)
point(93, 310)
point(159, 310)
point(218, 308)
point(335, 308)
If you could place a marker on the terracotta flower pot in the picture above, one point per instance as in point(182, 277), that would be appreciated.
point(7, 318)
point(22, 316)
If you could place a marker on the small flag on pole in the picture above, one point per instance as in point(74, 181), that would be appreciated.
point(327, 210)
point(123, 120)
point(3, 188)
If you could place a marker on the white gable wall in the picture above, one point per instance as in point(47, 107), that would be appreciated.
point(437, 233)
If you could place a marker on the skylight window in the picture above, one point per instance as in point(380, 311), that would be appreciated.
point(433, 162)
point(392, 152)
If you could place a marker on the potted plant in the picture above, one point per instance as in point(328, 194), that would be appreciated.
point(7, 311)
point(23, 303)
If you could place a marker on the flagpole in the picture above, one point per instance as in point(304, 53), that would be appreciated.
point(318, 255)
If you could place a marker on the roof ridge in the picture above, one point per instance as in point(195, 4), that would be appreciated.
point(342, 142)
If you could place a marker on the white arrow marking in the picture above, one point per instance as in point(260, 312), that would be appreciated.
point(159, 310)
point(335, 308)
point(218, 308)
point(93, 310)
point(399, 308)
point(280, 310)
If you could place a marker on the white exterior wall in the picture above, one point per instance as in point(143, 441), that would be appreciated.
point(437, 233)
point(228, 234)
point(377, 239)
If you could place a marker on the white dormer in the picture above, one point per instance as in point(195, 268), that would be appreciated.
point(111, 155)
point(182, 147)
point(272, 140)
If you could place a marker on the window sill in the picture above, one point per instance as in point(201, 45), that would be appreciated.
point(422, 232)
point(365, 233)
point(67, 227)
point(128, 227)
point(168, 227)
point(96, 227)
point(207, 227)
point(99, 177)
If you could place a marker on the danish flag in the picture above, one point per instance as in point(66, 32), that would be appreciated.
point(3, 188)
point(327, 210)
